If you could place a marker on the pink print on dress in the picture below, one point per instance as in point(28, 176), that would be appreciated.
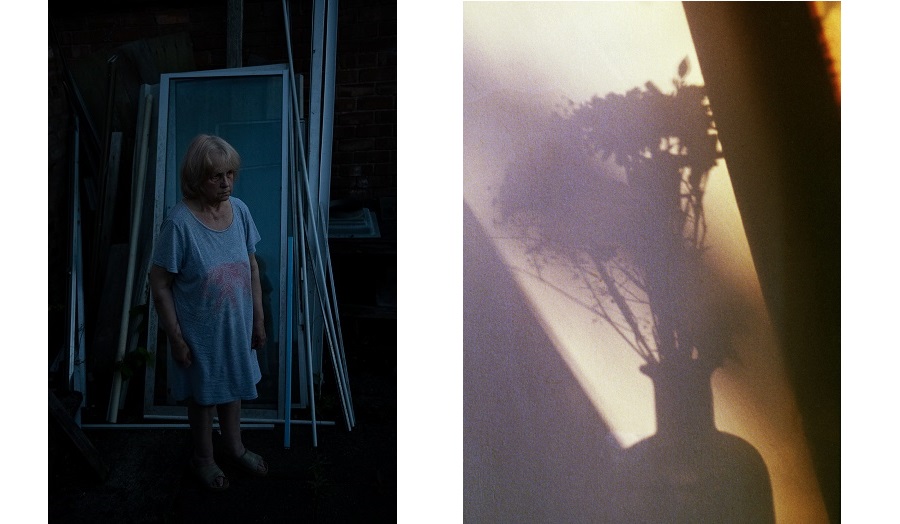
point(226, 284)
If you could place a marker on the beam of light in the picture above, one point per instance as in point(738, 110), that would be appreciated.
point(521, 58)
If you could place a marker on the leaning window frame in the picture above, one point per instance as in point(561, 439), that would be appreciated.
point(167, 167)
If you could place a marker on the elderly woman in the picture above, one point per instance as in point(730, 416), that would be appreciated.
point(206, 288)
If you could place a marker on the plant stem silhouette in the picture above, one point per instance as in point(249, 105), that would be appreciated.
point(615, 192)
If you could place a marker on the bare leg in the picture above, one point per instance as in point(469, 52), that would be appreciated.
point(230, 424)
point(200, 419)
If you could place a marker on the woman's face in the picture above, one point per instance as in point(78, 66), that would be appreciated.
point(217, 187)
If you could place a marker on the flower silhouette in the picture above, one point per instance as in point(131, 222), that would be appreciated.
point(615, 192)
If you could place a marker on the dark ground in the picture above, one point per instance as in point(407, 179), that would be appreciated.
point(351, 476)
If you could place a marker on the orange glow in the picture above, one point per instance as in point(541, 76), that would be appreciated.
point(829, 16)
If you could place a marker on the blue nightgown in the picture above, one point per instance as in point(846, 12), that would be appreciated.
point(213, 303)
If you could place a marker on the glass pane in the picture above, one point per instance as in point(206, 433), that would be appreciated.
point(247, 111)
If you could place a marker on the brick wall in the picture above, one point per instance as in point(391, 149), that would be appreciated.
point(365, 123)
point(365, 146)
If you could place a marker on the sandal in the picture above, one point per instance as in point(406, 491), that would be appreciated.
point(251, 462)
point(207, 474)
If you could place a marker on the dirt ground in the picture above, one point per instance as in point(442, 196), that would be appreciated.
point(351, 476)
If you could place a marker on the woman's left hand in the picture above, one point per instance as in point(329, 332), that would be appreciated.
point(258, 339)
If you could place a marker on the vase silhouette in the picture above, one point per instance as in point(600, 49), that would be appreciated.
point(689, 471)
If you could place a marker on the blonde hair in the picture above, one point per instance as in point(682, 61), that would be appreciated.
point(206, 156)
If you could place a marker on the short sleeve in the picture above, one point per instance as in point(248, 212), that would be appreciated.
point(250, 232)
point(167, 253)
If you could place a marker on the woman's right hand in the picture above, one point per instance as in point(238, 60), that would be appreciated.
point(181, 353)
point(161, 286)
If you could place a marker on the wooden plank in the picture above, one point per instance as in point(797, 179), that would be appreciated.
point(128, 303)
point(235, 36)
point(107, 206)
point(92, 90)
point(77, 437)
point(106, 324)
point(148, 95)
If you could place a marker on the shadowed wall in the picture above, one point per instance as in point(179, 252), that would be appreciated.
point(535, 447)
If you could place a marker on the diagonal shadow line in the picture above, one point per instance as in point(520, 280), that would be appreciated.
point(535, 447)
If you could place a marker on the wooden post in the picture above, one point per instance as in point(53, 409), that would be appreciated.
point(113, 410)
point(234, 48)
point(77, 436)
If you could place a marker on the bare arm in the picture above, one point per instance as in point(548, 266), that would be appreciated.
point(161, 287)
point(258, 340)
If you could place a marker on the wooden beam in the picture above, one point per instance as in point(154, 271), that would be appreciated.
point(104, 225)
point(234, 51)
point(78, 438)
